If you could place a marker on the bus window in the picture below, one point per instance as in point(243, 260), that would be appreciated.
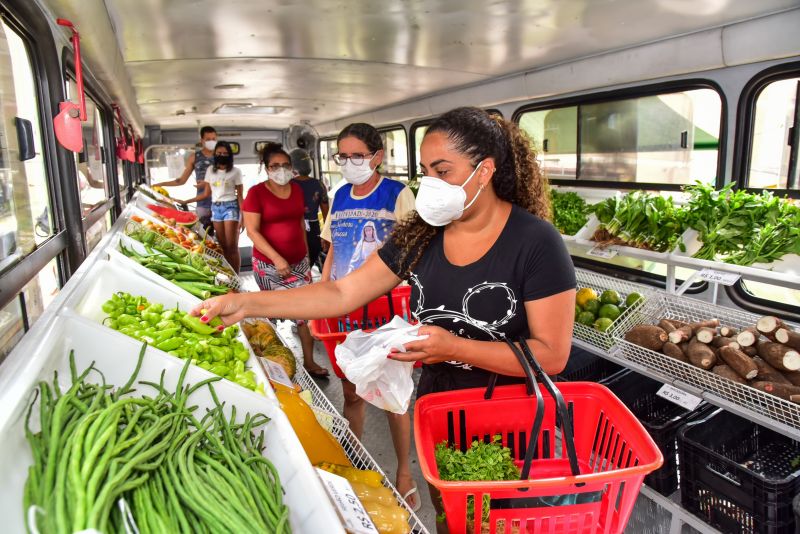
point(554, 136)
point(12, 327)
point(771, 146)
point(25, 211)
point(330, 173)
point(395, 153)
point(41, 291)
point(419, 133)
point(670, 138)
point(92, 176)
point(95, 232)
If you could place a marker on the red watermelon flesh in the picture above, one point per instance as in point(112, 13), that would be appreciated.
point(185, 218)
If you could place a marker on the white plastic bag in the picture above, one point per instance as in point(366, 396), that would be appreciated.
point(380, 381)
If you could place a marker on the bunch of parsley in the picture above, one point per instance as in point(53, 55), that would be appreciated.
point(482, 461)
point(569, 211)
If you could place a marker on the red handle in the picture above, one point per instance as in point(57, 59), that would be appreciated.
point(76, 46)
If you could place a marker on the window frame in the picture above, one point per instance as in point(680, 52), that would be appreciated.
point(392, 128)
point(745, 124)
point(628, 93)
point(28, 21)
point(101, 103)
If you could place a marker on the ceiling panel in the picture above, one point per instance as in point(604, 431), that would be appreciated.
point(334, 58)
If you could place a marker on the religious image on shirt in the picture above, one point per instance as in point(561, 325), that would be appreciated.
point(359, 233)
point(367, 244)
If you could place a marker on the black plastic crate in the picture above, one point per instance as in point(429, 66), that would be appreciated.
point(583, 366)
point(739, 476)
point(660, 417)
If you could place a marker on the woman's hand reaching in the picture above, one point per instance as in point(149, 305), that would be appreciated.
point(440, 346)
point(229, 308)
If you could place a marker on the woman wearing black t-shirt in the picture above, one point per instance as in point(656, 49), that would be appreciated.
point(483, 262)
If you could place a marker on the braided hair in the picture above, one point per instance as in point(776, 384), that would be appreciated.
point(478, 135)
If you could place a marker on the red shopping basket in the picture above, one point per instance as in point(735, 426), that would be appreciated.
point(581, 478)
point(334, 330)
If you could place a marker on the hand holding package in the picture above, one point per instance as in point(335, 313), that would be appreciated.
point(380, 381)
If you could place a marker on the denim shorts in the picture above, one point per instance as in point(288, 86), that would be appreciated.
point(225, 211)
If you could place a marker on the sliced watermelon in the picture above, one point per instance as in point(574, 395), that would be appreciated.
point(185, 218)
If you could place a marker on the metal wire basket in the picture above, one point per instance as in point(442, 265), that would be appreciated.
point(598, 282)
point(340, 429)
point(740, 398)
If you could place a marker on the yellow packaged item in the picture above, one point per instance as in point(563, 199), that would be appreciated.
point(319, 444)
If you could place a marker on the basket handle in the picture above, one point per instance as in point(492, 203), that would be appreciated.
point(531, 383)
point(563, 416)
point(562, 411)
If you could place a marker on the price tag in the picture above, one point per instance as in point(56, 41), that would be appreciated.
point(679, 397)
point(355, 517)
point(276, 373)
point(719, 277)
point(602, 252)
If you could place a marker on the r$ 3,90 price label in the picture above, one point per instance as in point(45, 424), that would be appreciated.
point(679, 397)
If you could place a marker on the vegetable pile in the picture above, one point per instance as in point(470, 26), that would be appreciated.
point(601, 312)
point(111, 462)
point(185, 269)
point(180, 236)
point(182, 335)
point(482, 461)
point(265, 343)
point(569, 211)
point(765, 356)
point(640, 220)
point(742, 228)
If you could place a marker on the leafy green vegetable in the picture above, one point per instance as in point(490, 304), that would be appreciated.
point(642, 220)
point(482, 461)
point(740, 227)
point(569, 211)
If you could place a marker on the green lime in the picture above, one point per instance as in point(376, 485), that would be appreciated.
point(632, 298)
point(603, 323)
point(592, 306)
point(609, 311)
point(586, 318)
point(609, 296)
point(578, 311)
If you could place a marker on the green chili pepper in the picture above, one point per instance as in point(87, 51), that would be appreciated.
point(126, 319)
point(170, 344)
point(167, 333)
point(196, 325)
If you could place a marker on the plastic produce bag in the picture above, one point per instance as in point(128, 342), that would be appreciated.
point(380, 381)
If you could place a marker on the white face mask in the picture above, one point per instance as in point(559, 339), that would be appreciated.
point(357, 174)
point(281, 176)
point(210, 145)
point(440, 203)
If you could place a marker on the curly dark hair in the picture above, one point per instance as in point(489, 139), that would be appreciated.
point(478, 135)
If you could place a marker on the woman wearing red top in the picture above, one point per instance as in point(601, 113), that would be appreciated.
point(274, 214)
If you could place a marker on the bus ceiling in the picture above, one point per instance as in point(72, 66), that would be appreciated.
point(180, 63)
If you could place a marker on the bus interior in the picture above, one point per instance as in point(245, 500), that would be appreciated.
point(617, 96)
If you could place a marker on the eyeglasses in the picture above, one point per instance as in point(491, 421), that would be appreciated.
point(355, 159)
point(276, 166)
